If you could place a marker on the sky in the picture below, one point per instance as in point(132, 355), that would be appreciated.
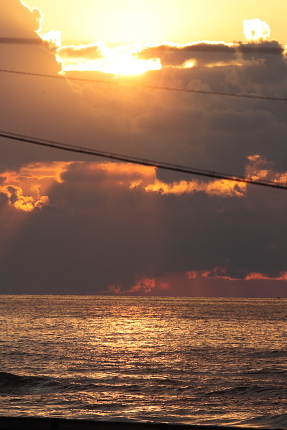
point(127, 78)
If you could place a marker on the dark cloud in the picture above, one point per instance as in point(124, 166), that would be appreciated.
point(178, 55)
point(88, 227)
point(98, 231)
point(259, 49)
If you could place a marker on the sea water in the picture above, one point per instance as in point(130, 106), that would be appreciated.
point(169, 360)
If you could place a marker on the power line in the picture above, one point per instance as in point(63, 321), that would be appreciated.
point(21, 41)
point(151, 87)
point(139, 161)
point(200, 46)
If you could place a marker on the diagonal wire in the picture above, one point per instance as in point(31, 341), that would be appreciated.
point(151, 87)
point(21, 41)
point(139, 161)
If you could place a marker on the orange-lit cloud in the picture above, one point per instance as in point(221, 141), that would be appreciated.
point(263, 276)
point(256, 169)
point(215, 273)
point(221, 273)
point(214, 282)
point(143, 286)
point(259, 168)
point(223, 188)
point(27, 189)
point(147, 179)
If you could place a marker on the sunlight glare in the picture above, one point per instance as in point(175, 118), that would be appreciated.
point(53, 37)
point(255, 29)
point(119, 61)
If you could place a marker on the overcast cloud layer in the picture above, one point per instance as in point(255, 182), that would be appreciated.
point(71, 224)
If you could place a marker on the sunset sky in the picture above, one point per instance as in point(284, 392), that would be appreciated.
point(76, 224)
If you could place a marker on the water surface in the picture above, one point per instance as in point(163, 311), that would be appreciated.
point(173, 360)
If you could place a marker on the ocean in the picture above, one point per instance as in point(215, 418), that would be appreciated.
point(162, 360)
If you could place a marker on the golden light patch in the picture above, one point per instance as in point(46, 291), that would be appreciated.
point(189, 64)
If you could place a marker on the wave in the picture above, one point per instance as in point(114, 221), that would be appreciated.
point(267, 371)
point(242, 390)
point(266, 421)
point(273, 353)
point(12, 384)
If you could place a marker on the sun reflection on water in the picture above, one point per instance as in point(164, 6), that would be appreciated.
point(143, 358)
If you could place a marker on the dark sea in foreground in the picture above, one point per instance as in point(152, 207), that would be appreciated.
point(168, 360)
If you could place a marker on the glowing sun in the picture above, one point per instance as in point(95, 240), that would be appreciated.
point(122, 60)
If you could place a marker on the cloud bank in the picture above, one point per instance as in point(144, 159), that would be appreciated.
point(75, 225)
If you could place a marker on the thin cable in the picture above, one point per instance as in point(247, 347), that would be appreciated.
point(197, 47)
point(139, 161)
point(151, 87)
point(21, 41)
